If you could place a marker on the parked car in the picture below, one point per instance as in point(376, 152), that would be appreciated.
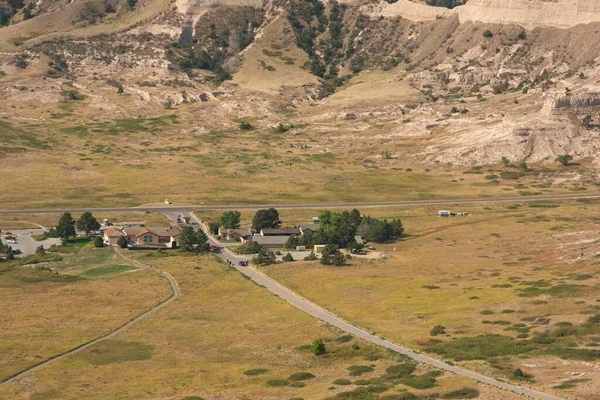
point(11, 241)
point(16, 252)
point(243, 263)
point(278, 253)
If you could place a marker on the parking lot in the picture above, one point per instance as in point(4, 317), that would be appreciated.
point(25, 243)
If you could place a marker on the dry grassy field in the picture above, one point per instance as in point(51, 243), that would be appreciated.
point(524, 271)
point(48, 312)
point(226, 338)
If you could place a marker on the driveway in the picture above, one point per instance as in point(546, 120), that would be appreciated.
point(25, 243)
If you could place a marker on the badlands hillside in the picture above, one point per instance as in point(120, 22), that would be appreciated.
point(374, 80)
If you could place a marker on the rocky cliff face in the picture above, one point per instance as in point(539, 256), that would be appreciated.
point(527, 13)
point(532, 13)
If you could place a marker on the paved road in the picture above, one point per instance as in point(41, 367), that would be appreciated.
point(185, 209)
point(332, 319)
point(173, 297)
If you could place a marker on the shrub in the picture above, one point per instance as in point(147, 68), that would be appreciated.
point(344, 339)
point(358, 370)
point(399, 396)
point(245, 126)
point(300, 376)
point(486, 312)
point(318, 347)
point(288, 258)
point(401, 369)
point(488, 34)
point(256, 371)
point(419, 382)
point(277, 383)
point(98, 242)
point(437, 330)
point(122, 242)
point(297, 384)
point(464, 393)
point(311, 256)
point(342, 382)
point(480, 347)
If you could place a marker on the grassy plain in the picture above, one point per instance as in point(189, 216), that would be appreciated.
point(127, 162)
point(45, 313)
point(517, 270)
point(210, 343)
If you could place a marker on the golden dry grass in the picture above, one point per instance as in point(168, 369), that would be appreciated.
point(200, 345)
point(42, 318)
point(449, 270)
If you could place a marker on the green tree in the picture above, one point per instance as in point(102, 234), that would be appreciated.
point(213, 227)
point(318, 347)
point(266, 219)
point(587, 121)
point(98, 242)
point(40, 249)
point(193, 241)
point(66, 226)
point(504, 161)
point(231, 219)
point(288, 258)
point(564, 159)
point(122, 242)
point(329, 255)
point(87, 223)
point(311, 256)
point(488, 34)
point(10, 255)
point(519, 373)
point(292, 242)
point(264, 258)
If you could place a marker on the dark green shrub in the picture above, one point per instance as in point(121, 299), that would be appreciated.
point(437, 330)
point(488, 34)
point(277, 383)
point(358, 370)
point(300, 376)
point(401, 369)
point(342, 382)
point(318, 347)
point(419, 382)
point(464, 393)
point(297, 384)
point(256, 371)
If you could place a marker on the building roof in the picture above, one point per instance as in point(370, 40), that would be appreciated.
point(280, 231)
point(113, 232)
point(137, 231)
point(313, 228)
point(273, 240)
point(241, 232)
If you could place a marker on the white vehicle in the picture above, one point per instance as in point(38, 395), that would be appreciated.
point(11, 241)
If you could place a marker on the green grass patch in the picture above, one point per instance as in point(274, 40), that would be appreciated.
point(563, 290)
point(117, 351)
point(104, 271)
point(480, 347)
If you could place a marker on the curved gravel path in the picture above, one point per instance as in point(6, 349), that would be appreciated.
point(173, 297)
